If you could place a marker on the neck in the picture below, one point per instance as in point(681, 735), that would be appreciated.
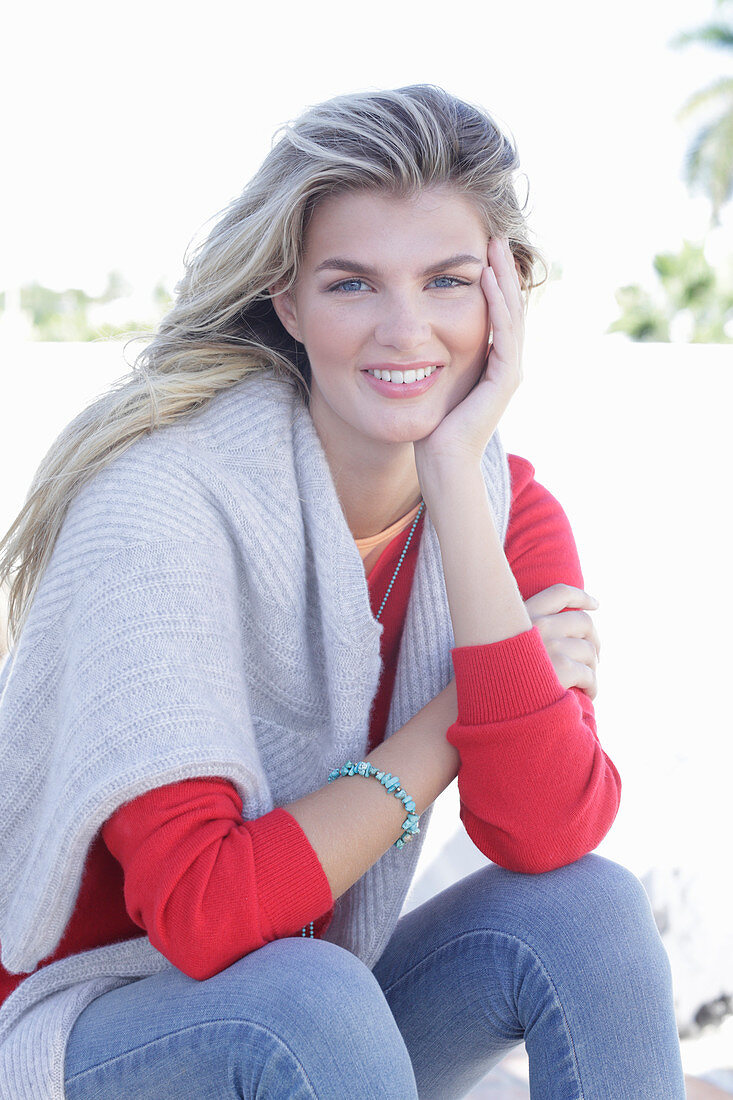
point(392, 491)
point(376, 482)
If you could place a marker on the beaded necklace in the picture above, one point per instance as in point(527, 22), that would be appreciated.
point(381, 609)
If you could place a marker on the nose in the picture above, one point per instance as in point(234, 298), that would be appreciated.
point(402, 324)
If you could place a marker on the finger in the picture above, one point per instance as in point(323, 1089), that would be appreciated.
point(501, 258)
point(576, 674)
point(504, 342)
point(566, 625)
point(588, 683)
point(516, 278)
point(580, 625)
point(512, 260)
point(494, 295)
point(501, 261)
point(557, 597)
point(581, 650)
point(586, 680)
point(569, 624)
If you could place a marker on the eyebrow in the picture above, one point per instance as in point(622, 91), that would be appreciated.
point(338, 263)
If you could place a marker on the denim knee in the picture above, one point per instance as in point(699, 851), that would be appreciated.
point(610, 898)
point(600, 910)
point(329, 1010)
point(319, 982)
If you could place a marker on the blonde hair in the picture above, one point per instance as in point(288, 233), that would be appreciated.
point(223, 327)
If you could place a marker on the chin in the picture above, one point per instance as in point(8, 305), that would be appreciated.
point(406, 432)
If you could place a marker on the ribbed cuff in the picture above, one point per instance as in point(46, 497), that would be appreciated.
point(504, 680)
point(291, 883)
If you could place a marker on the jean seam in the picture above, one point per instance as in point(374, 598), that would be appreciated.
point(532, 950)
point(196, 1027)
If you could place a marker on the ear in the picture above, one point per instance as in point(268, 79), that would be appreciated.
point(284, 304)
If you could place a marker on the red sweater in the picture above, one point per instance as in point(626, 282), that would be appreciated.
point(537, 791)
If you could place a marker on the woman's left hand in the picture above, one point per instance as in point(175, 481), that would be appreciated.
point(570, 636)
point(464, 433)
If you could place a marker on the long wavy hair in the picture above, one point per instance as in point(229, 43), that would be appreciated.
point(222, 325)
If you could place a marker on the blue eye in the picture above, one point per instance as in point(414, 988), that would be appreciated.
point(449, 281)
point(346, 286)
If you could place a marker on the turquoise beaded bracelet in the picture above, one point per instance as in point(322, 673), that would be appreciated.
point(390, 783)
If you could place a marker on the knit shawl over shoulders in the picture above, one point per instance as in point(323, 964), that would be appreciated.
point(204, 613)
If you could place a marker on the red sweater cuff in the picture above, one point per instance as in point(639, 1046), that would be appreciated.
point(291, 883)
point(504, 680)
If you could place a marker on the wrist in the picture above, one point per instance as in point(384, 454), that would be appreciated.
point(450, 487)
point(485, 603)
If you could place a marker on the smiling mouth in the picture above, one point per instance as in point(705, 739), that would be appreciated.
point(400, 377)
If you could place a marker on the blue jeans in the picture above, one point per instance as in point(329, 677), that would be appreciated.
point(569, 961)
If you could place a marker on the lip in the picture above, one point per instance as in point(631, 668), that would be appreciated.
point(400, 389)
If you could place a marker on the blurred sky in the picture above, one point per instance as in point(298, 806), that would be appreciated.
point(128, 126)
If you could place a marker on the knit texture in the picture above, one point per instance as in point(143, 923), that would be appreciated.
point(204, 612)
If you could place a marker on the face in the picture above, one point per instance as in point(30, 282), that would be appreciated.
point(389, 284)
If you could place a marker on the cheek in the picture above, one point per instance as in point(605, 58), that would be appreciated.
point(329, 331)
point(470, 329)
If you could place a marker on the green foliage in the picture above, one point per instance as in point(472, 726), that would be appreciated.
point(692, 300)
point(73, 314)
point(688, 287)
point(719, 35)
point(641, 318)
point(709, 157)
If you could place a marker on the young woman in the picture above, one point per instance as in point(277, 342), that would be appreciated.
point(291, 543)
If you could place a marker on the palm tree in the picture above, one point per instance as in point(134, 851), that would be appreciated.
point(709, 157)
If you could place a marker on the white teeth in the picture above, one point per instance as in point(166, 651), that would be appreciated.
point(403, 377)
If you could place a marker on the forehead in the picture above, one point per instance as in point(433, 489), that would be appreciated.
point(366, 224)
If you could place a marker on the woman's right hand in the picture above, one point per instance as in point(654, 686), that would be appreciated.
point(462, 436)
